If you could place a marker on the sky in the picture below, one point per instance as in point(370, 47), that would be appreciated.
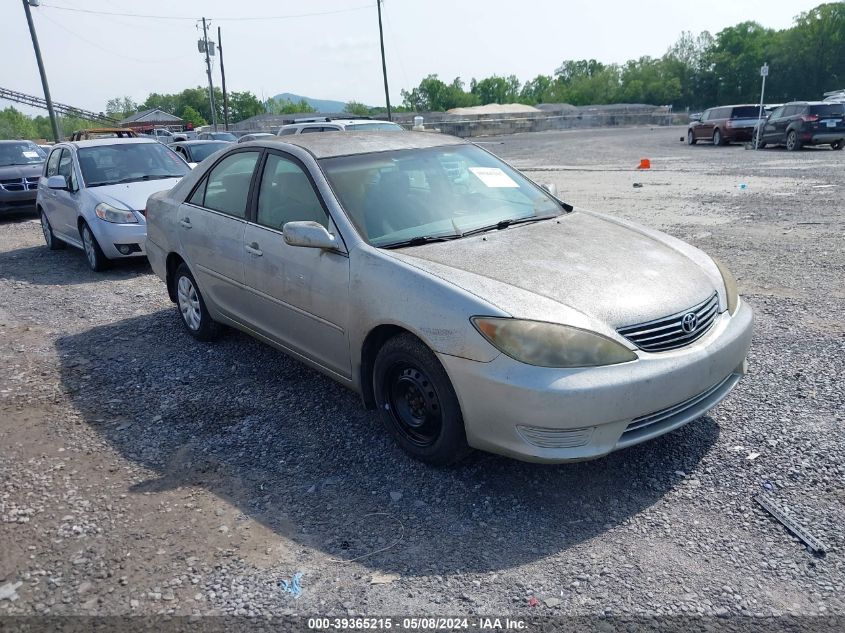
point(334, 52)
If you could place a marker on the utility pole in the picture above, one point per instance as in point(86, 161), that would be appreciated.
point(383, 62)
point(223, 76)
point(208, 72)
point(761, 124)
point(53, 122)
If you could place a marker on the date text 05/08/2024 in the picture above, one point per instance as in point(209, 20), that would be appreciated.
point(418, 624)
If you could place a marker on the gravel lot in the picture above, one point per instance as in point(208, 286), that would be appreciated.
point(144, 473)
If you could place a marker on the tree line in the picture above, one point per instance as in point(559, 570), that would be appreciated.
point(698, 71)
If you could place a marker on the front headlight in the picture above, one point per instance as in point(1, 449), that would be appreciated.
point(730, 286)
point(109, 213)
point(550, 344)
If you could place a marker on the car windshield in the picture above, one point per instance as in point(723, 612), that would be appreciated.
point(440, 192)
point(23, 153)
point(129, 162)
point(223, 136)
point(828, 109)
point(201, 151)
point(381, 126)
point(746, 112)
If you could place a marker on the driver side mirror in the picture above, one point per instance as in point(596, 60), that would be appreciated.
point(310, 234)
point(57, 182)
point(694, 117)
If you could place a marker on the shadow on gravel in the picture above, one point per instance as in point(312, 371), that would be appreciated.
point(299, 453)
point(27, 214)
point(40, 266)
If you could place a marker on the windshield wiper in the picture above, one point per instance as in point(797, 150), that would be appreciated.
point(503, 224)
point(139, 178)
point(422, 239)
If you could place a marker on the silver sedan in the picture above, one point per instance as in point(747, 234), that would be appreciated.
point(468, 305)
point(93, 195)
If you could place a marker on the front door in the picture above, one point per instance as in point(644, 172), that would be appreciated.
point(211, 230)
point(66, 201)
point(298, 296)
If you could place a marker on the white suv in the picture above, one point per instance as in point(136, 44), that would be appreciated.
point(325, 124)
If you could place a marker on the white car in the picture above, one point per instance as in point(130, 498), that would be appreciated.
point(93, 195)
point(326, 124)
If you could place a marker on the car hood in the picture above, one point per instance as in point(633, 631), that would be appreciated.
point(10, 172)
point(599, 268)
point(131, 195)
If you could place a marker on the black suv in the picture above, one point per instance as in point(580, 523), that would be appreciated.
point(805, 123)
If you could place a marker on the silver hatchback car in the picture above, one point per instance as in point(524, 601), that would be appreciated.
point(467, 304)
point(93, 193)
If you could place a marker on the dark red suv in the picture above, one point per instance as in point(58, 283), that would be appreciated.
point(805, 123)
point(725, 124)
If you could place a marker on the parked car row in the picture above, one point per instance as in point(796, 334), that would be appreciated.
point(793, 125)
point(395, 264)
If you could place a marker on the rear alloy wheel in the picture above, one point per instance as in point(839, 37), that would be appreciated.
point(717, 137)
point(97, 261)
point(53, 243)
point(792, 142)
point(691, 138)
point(418, 405)
point(837, 145)
point(195, 316)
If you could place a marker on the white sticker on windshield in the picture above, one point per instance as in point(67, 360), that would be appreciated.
point(493, 177)
point(31, 154)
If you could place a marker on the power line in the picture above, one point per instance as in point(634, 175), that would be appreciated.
point(224, 19)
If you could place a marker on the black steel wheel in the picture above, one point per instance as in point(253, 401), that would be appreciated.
point(417, 402)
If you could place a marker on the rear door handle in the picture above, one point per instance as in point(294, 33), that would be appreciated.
point(186, 222)
point(253, 249)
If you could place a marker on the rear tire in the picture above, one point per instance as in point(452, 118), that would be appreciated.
point(758, 140)
point(837, 145)
point(191, 306)
point(417, 402)
point(793, 144)
point(53, 243)
point(717, 137)
point(691, 140)
point(97, 261)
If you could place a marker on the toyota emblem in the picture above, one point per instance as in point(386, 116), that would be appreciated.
point(689, 322)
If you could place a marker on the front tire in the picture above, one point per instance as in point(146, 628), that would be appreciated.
point(189, 301)
point(792, 142)
point(53, 243)
point(758, 140)
point(691, 140)
point(418, 404)
point(97, 261)
point(837, 145)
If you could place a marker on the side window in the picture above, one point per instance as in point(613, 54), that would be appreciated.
point(199, 194)
point(706, 115)
point(66, 169)
point(777, 113)
point(53, 163)
point(287, 130)
point(286, 195)
point(308, 130)
point(789, 111)
point(226, 188)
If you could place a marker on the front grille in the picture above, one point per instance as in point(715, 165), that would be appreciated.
point(672, 417)
point(673, 331)
point(20, 184)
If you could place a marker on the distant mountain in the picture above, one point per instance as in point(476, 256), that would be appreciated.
point(321, 105)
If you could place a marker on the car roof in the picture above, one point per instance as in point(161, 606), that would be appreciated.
point(807, 103)
point(17, 140)
point(209, 141)
point(348, 143)
point(96, 142)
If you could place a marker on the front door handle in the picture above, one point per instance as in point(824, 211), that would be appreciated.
point(254, 249)
point(186, 222)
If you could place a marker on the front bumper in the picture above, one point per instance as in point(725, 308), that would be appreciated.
point(17, 201)
point(109, 235)
point(558, 415)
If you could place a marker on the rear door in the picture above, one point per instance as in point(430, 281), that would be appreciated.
point(211, 230)
point(771, 126)
point(298, 296)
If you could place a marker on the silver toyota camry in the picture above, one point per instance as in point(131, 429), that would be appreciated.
point(468, 305)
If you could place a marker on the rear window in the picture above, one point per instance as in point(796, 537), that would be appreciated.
point(828, 109)
point(746, 112)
